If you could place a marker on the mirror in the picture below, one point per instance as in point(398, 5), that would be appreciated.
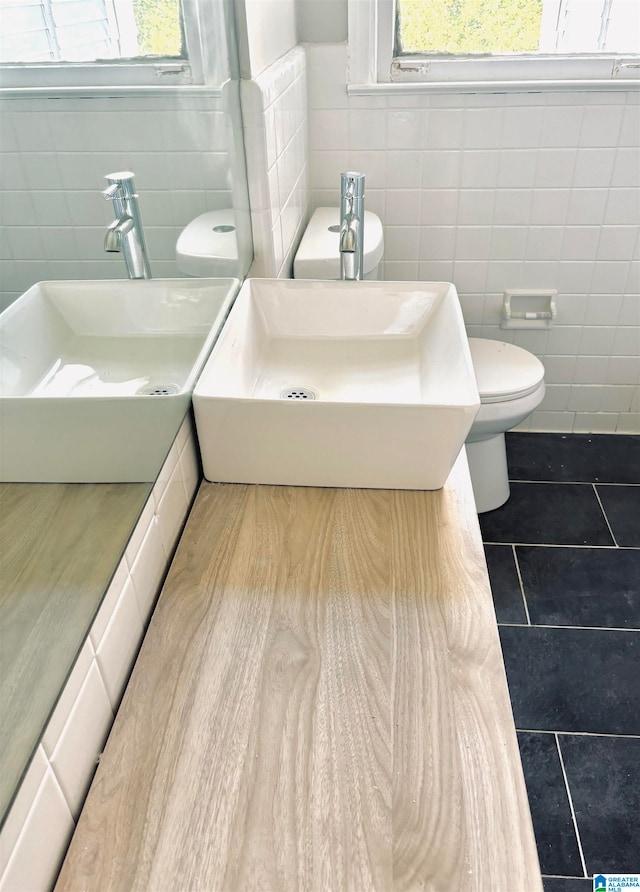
point(62, 541)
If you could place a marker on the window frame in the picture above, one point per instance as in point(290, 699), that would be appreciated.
point(373, 67)
point(198, 19)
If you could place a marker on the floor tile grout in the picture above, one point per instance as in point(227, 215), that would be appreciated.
point(573, 814)
point(566, 545)
point(604, 513)
point(578, 733)
point(604, 483)
point(574, 482)
point(524, 599)
point(573, 628)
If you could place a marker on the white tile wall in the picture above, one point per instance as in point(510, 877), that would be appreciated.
point(497, 191)
point(266, 31)
point(274, 109)
point(39, 825)
point(54, 154)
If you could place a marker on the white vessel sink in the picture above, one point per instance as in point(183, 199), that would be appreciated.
point(95, 377)
point(362, 384)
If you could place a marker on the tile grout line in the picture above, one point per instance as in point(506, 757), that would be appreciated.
point(572, 482)
point(574, 628)
point(566, 545)
point(573, 814)
point(524, 599)
point(604, 514)
point(579, 733)
point(608, 483)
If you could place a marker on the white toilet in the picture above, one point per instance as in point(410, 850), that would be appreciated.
point(510, 379)
point(511, 385)
point(208, 246)
point(318, 255)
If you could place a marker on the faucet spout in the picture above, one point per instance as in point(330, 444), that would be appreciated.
point(349, 235)
point(351, 226)
point(115, 232)
point(125, 234)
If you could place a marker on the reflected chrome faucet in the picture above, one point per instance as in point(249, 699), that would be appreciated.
point(351, 225)
point(125, 235)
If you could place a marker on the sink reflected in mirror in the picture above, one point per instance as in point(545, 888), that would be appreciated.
point(95, 377)
point(62, 542)
point(365, 384)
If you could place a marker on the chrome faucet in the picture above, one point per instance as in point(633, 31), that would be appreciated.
point(351, 225)
point(125, 234)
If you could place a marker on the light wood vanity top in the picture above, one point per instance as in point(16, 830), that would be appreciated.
point(319, 704)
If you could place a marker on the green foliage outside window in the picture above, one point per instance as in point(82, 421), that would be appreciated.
point(158, 23)
point(469, 26)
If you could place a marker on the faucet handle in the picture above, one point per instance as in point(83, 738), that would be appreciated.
point(124, 183)
point(112, 191)
point(352, 184)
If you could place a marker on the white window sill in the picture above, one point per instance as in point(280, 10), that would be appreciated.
point(130, 91)
point(507, 86)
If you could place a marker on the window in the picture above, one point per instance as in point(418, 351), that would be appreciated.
point(84, 42)
point(88, 30)
point(506, 27)
point(481, 42)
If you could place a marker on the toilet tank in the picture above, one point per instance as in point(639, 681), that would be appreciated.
point(208, 246)
point(318, 256)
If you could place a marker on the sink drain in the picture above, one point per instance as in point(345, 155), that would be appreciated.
point(158, 390)
point(297, 393)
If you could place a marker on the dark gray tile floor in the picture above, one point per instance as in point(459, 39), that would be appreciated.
point(574, 458)
point(582, 681)
point(564, 562)
point(597, 587)
point(549, 513)
point(603, 774)
point(555, 831)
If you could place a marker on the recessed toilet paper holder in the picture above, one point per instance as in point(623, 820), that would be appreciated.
point(528, 309)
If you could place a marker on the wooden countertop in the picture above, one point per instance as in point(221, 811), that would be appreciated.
point(319, 703)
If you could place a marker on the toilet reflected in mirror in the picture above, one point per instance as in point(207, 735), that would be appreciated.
point(208, 246)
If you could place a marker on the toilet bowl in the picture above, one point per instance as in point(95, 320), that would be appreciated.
point(511, 385)
point(510, 379)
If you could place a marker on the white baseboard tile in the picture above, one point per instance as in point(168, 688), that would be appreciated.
point(628, 423)
point(39, 849)
point(75, 758)
point(119, 644)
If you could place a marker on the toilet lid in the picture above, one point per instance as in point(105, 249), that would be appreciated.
point(504, 371)
point(211, 235)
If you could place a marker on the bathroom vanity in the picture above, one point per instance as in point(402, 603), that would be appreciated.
point(320, 702)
